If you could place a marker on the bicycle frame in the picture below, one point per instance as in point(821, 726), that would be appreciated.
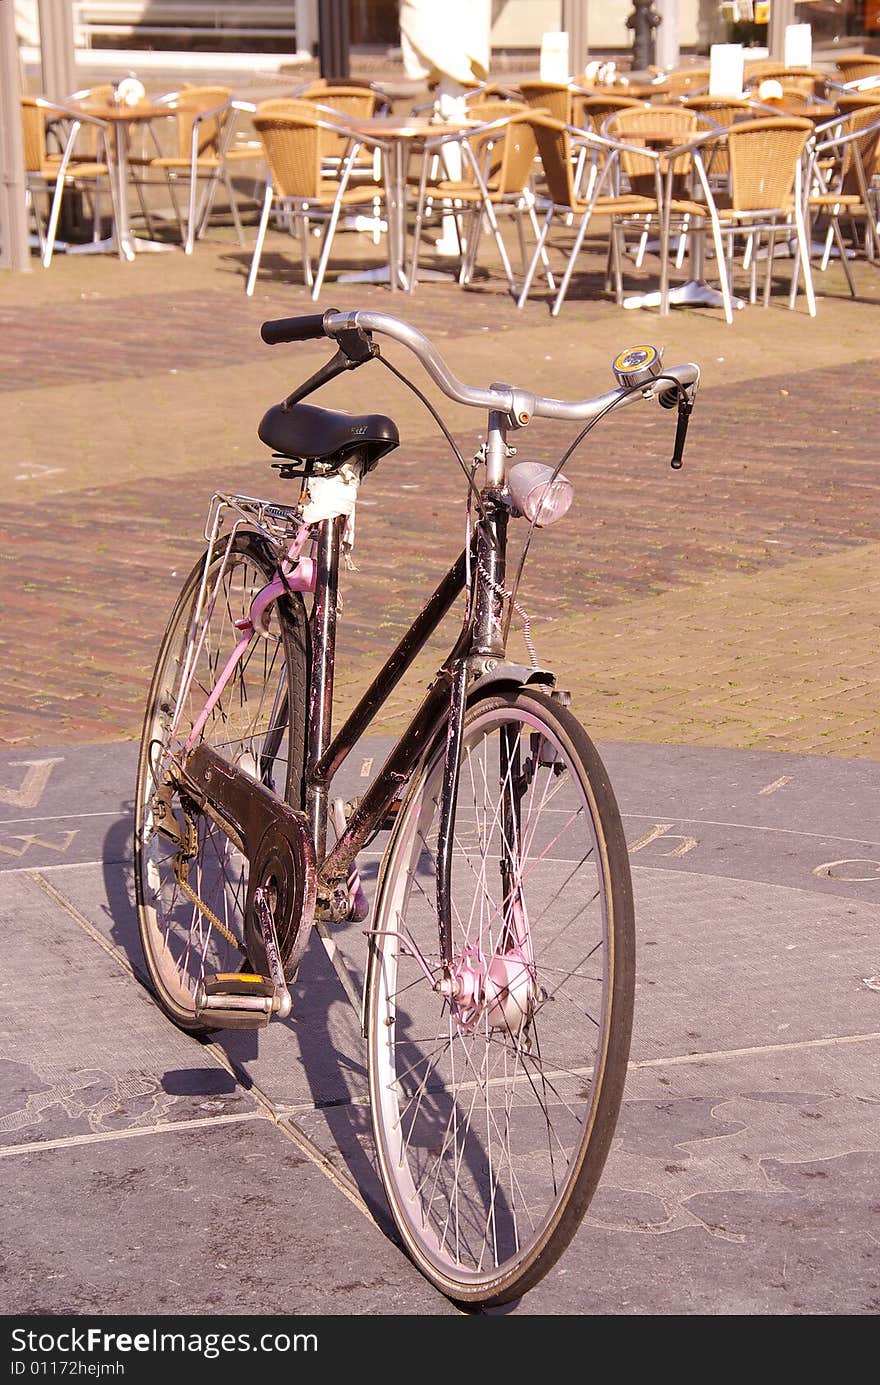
point(478, 649)
point(479, 646)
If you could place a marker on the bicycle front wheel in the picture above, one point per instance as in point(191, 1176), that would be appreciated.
point(495, 1091)
point(190, 880)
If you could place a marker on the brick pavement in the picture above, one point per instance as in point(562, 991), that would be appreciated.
point(783, 658)
point(734, 603)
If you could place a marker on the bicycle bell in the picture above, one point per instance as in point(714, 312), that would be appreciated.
point(637, 365)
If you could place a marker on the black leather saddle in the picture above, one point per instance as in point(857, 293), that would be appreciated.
point(306, 433)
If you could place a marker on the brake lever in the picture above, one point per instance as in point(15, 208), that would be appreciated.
point(685, 409)
point(354, 348)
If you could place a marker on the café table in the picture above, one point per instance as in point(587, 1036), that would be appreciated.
point(696, 292)
point(121, 117)
point(814, 110)
point(398, 137)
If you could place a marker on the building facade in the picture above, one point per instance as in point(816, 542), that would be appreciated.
point(516, 25)
point(520, 24)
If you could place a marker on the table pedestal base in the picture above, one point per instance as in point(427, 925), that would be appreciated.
point(110, 246)
point(694, 294)
point(382, 275)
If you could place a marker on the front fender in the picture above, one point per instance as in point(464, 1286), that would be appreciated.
point(511, 675)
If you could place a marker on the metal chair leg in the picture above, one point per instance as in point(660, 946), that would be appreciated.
point(530, 272)
point(803, 242)
point(261, 236)
point(326, 244)
point(551, 282)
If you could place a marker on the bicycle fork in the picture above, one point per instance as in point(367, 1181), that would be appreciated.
point(499, 986)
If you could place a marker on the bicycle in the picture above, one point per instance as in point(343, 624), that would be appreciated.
point(499, 976)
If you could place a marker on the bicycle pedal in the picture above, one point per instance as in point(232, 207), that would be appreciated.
point(236, 1000)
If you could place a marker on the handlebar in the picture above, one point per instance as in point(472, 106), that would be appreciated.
point(519, 405)
point(293, 329)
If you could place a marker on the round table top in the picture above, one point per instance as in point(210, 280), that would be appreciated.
point(820, 110)
point(407, 127)
point(110, 111)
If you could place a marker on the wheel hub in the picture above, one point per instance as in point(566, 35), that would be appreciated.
point(509, 991)
point(504, 990)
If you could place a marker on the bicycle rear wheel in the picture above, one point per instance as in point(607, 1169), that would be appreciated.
point(494, 1106)
point(190, 881)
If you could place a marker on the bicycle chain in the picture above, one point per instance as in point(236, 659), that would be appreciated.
point(188, 842)
point(208, 912)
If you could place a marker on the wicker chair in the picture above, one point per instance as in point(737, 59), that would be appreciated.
point(335, 142)
point(52, 173)
point(684, 81)
point(724, 111)
point(590, 113)
point(294, 143)
point(195, 150)
point(856, 100)
point(323, 90)
point(765, 194)
point(852, 67)
point(357, 103)
point(337, 103)
point(498, 160)
point(845, 162)
point(553, 97)
point(558, 145)
point(488, 146)
point(755, 70)
point(643, 171)
point(639, 168)
point(332, 101)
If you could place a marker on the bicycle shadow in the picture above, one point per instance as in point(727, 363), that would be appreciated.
point(118, 876)
point(329, 1048)
point(334, 1118)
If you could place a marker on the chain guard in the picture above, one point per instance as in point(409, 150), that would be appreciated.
point(276, 842)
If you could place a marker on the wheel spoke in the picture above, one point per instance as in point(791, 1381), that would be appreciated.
point(248, 726)
point(512, 1068)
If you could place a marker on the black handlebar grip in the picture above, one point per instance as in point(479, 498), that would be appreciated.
point(685, 409)
point(306, 328)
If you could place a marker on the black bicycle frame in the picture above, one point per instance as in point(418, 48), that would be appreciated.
point(480, 638)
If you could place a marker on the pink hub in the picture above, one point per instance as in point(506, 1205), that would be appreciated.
point(504, 990)
point(509, 991)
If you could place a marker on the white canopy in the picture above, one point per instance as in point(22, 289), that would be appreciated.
point(446, 39)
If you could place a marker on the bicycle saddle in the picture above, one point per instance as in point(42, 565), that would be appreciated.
point(308, 433)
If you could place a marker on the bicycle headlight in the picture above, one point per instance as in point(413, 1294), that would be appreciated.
point(538, 495)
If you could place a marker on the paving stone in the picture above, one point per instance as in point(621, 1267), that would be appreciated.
point(160, 384)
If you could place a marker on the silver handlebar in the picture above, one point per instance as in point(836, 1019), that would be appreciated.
point(519, 405)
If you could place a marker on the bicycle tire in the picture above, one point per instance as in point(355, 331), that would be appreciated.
point(259, 723)
point(492, 1125)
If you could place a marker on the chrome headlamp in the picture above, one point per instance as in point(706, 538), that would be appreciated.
point(539, 495)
